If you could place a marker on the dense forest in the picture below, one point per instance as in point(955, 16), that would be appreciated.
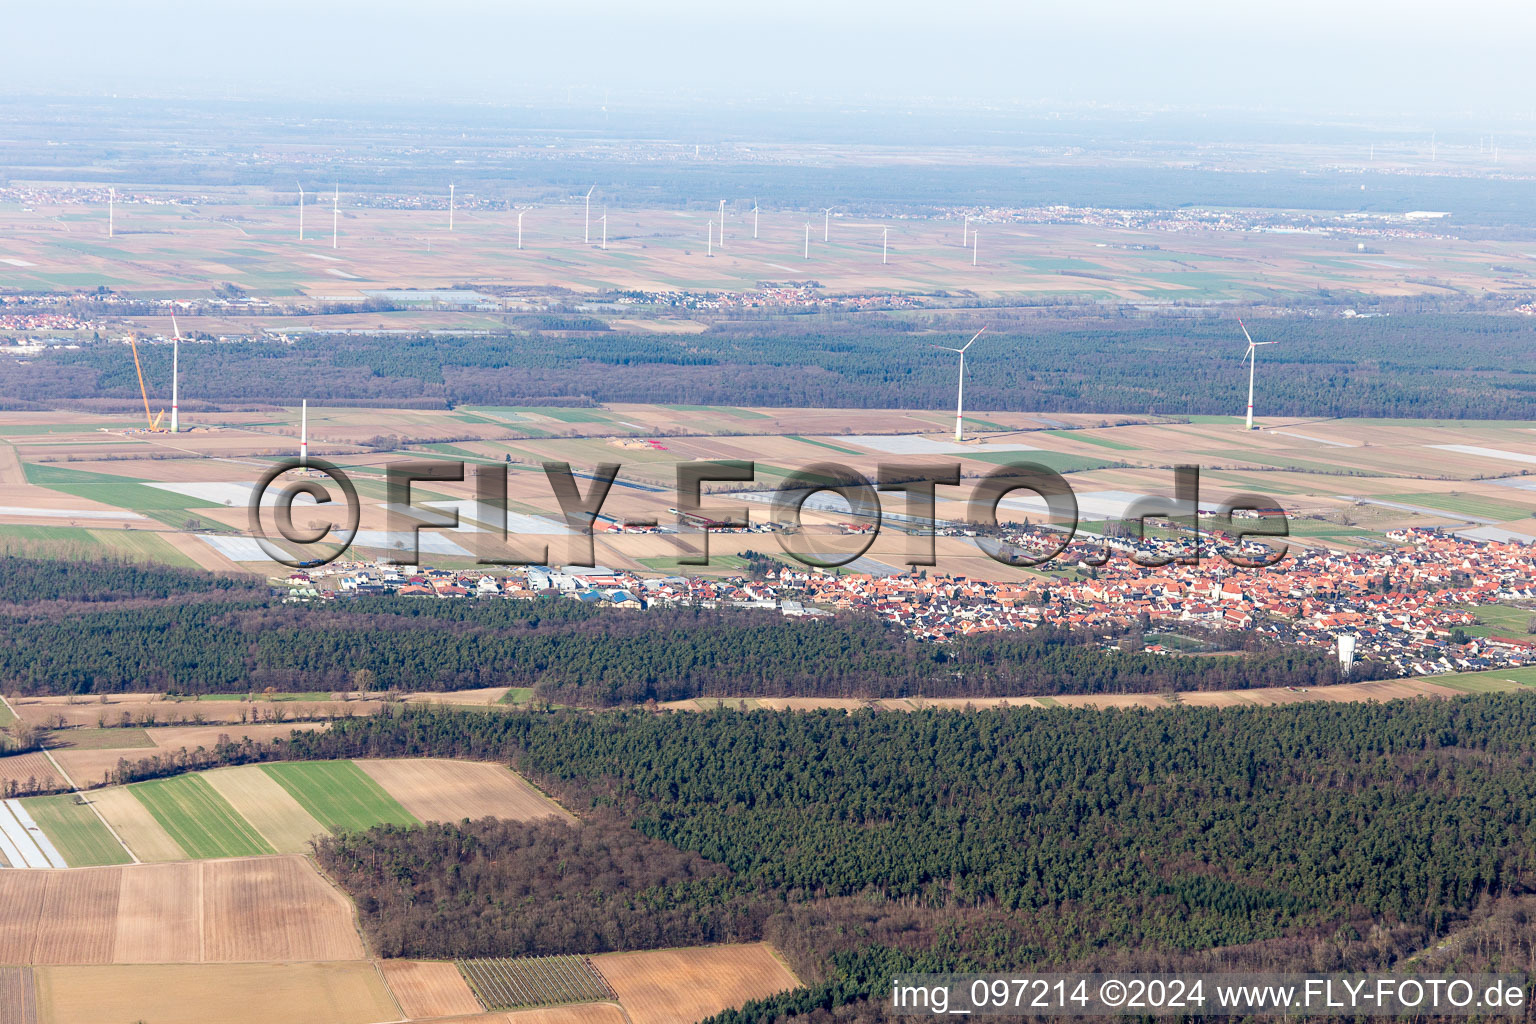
point(1447, 366)
point(1307, 837)
point(569, 652)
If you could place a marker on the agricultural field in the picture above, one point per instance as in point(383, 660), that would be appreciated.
point(669, 986)
point(251, 909)
point(278, 807)
point(510, 984)
point(200, 821)
point(1501, 620)
point(426, 988)
point(75, 829)
point(339, 794)
point(438, 790)
point(295, 993)
point(246, 236)
point(18, 1001)
point(1347, 482)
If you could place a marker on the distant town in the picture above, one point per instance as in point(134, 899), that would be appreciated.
point(1408, 607)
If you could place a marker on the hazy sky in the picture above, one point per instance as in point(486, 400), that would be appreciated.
point(1407, 57)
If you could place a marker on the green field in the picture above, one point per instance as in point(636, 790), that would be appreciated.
point(563, 414)
point(1499, 680)
point(34, 429)
point(339, 794)
point(1059, 461)
point(1285, 462)
point(672, 567)
point(76, 831)
point(1087, 438)
point(517, 695)
point(1500, 620)
point(201, 821)
point(7, 716)
point(119, 491)
point(1465, 504)
point(78, 542)
point(823, 444)
point(262, 697)
point(100, 739)
point(724, 410)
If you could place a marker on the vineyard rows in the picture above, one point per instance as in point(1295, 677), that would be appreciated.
point(503, 984)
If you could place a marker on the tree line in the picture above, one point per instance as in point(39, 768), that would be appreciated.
point(236, 639)
point(1463, 365)
point(1306, 837)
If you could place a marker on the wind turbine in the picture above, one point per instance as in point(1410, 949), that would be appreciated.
point(1252, 354)
point(111, 209)
point(885, 242)
point(754, 220)
point(520, 228)
point(175, 376)
point(450, 207)
point(711, 250)
point(965, 230)
point(336, 216)
point(304, 435)
point(301, 213)
point(960, 391)
point(826, 222)
point(975, 245)
point(722, 223)
point(807, 239)
point(586, 231)
point(605, 230)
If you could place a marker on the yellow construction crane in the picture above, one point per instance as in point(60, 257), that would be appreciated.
point(154, 421)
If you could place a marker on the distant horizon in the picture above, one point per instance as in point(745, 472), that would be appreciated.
point(1303, 58)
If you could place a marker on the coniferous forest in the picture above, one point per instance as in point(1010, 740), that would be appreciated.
point(1306, 837)
point(1471, 367)
point(193, 633)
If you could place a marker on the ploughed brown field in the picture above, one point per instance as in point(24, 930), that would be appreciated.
point(247, 909)
point(426, 988)
point(679, 986)
point(290, 993)
point(442, 790)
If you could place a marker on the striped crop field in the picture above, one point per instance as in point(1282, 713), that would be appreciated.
point(200, 820)
point(76, 830)
point(503, 984)
point(339, 794)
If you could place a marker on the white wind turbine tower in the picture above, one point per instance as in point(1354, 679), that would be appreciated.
point(754, 220)
point(605, 230)
point(722, 223)
point(960, 391)
point(301, 213)
point(807, 239)
point(826, 222)
point(975, 245)
point(175, 376)
point(711, 250)
point(450, 207)
point(111, 210)
point(586, 231)
point(1252, 354)
point(885, 244)
point(336, 217)
point(304, 435)
point(520, 228)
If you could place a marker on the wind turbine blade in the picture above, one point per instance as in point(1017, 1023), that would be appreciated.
point(971, 342)
point(1245, 330)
